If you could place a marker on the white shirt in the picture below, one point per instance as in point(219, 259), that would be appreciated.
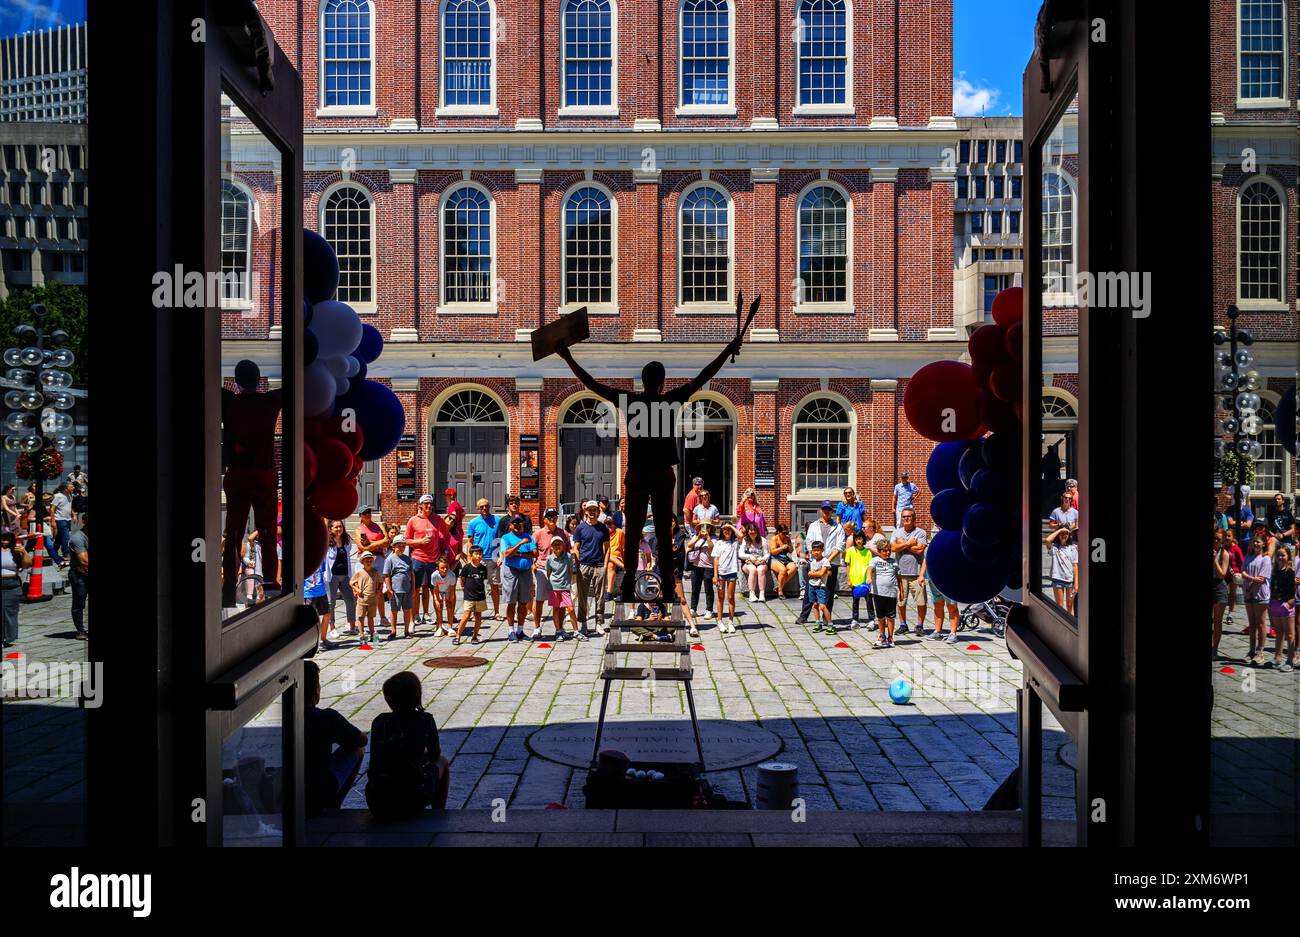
point(62, 505)
point(8, 568)
point(725, 553)
point(831, 534)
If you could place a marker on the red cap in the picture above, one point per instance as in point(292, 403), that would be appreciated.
point(450, 491)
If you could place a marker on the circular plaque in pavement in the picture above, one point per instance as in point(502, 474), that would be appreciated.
point(726, 744)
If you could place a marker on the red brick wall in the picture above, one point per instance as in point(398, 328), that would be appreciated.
point(1224, 71)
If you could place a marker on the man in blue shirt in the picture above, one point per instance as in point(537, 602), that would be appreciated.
point(591, 544)
point(517, 555)
point(851, 509)
point(482, 533)
point(903, 493)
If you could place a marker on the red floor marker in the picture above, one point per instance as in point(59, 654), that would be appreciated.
point(364, 647)
point(543, 645)
point(14, 656)
point(839, 644)
point(555, 806)
point(697, 647)
point(973, 647)
point(1227, 670)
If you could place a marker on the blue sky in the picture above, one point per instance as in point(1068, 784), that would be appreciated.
point(992, 42)
point(19, 16)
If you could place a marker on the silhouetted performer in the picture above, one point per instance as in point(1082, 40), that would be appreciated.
point(248, 459)
point(651, 455)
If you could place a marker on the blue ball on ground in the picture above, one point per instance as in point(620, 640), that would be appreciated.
point(900, 691)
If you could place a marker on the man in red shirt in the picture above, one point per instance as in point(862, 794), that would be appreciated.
point(692, 499)
point(427, 537)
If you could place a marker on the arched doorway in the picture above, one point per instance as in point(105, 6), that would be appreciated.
point(588, 453)
point(470, 449)
point(1059, 458)
point(707, 448)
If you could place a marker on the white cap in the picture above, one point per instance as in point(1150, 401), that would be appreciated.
point(590, 504)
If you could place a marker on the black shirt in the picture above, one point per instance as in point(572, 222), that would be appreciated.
point(1280, 520)
point(472, 578)
point(1282, 585)
point(340, 567)
point(404, 753)
point(322, 730)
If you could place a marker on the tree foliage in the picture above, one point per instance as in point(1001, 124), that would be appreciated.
point(67, 310)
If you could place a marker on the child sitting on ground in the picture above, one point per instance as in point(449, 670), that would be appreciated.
point(407, 770)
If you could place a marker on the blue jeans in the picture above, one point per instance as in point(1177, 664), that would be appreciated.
point(61, 537)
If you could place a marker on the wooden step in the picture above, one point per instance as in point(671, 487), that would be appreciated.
point(643, 673)
point(648, 647)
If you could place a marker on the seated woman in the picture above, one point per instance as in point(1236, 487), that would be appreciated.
point(781, 558)
point(407, 770)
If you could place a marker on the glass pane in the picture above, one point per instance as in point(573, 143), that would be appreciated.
point(247, 290)
point(252, 780)
point(1059, 497)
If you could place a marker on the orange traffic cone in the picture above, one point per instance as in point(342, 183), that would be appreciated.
point(35, 586)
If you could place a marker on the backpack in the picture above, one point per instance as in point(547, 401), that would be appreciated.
point(401, 779)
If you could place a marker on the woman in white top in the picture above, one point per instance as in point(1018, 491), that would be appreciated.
point(13, 559)
point(753, 560)
point(705, 510)
point(699, 557)
point(726, 569)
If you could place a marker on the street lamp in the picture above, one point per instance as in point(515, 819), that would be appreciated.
point(1238, 383)
point(38, 419)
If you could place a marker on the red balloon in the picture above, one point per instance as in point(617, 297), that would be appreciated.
point(315, 538)
point(333, 461)
point(332, 428)
point(358, 464)
point(336, 499)
point(1020, 412)
point(987, 346)
point(998, 415)
point(311, 429)
point(1013, 342)
point(981, 371)
point(1006, 382)
point(942, 402)
point(308, 465)
point(1009, 306)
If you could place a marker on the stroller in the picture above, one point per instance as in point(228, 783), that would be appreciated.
point(992, 613)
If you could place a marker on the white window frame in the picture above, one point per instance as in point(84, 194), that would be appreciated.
point(590, 110)
point(1273, 399)
point(1263, 103)
point(706, 110)
point(246, 303)
point(488, 308)
point(348, 110)
point(466, 110)
point(606, 309)
point(846, 307)
point(717, 308)
point(372, 306)
point(1262, 305)
point(814, 110)
point(1068, 298)
point(805, 494)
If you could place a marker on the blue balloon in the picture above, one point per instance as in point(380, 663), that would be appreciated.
point(978, 555)
point(310, 347)
point(941, 469)
point(382, 420)
point(371, 345)
point(306, 312)
point(900, 691)
point(949, 507)
point(996, 486)
point(320, 268)
point(1284, 420)
point(357, 379)
point(1002, 451)
point(985, 524)
point(958, 578)
point(971, 461)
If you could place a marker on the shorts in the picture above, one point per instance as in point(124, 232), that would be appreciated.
point(777, 563)
point(422, 572)
point(541, 585)
point(1220, 591)
point(886, 605)
point(1278, 609)
point(516, 585)
point(936, 597)
point(561, 598)
point(913, 588)
point(321, 604)
point(816, 594)
point(399, 601)
point(726, 577)
point(1063, 584)
point(476, 605)
point(494, 571)
point(1253, 600)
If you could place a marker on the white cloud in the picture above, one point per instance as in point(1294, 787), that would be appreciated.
point(42, 14)
point(970, 100)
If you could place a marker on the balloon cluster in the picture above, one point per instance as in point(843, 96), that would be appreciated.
point(349, 420)
point(975, 477)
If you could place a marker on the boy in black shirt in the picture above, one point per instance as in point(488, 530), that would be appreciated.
point(329, 774)
point(473, 578)
point(407, 770)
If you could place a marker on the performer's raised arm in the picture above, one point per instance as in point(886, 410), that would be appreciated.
point(604, 391)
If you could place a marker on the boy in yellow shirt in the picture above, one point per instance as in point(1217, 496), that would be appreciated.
point(858, 558)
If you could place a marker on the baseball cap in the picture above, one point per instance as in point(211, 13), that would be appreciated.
point(903, 473)
point(399, 539)
point(367, 555)
point(590, 504)
point(697, 480)
point(450, 492)
point(827, 506)
point(364, 509)
point(427, 499)
point(551, 513)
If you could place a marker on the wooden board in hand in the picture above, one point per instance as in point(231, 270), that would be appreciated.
point(564, 331)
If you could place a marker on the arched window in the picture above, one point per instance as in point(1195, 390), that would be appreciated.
point(589, 247)
point(586, 411)
point(1261, 41)
point(1058, 236)
point(589, 29)
point(236, 242)
point(467, 53)
point(470, 406)
point(822, 34)
point(347, 224)
point(1056, 407)
point(1271, 469)
point(706, 49)
point(1261, 233)
point(822, 432)
point(705, 247)
point(824, 245)
point(347, 53)
point(467, 246)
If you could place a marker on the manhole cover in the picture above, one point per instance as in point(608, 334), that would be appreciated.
point(455, 662)
point(726, 744)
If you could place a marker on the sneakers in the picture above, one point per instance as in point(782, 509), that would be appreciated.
point(937, 636)
point(952, 639)
point(879, 644)
point(901, 629)
point(324, 646)
point(455, 642)
point(854, 624)
point(694, 632)
point(513, 636)
point(474, 639)
point(801, 593)
point(600, 630)
point(706, 615)
point(872, 625)
point(579, 636)
point(761, 598)
point(727, 625)
point(536, 635)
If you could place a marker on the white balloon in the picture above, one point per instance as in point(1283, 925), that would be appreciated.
point(337, 328)
point(341, 386)
point(354, 366)
point(338, 365)
point(318, 389)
